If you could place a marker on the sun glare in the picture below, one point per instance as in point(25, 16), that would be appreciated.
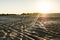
point(44, 7)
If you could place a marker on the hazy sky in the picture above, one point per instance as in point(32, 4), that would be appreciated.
point(20, 6)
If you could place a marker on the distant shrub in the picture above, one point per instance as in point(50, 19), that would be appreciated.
point(29, 13)
point(7, 14)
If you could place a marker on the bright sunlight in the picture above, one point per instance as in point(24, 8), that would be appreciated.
point(44, 7)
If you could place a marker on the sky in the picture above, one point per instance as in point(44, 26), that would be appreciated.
point(25, 6)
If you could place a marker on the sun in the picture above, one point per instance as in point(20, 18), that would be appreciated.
point(44, 7)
